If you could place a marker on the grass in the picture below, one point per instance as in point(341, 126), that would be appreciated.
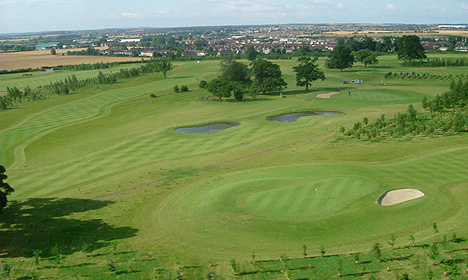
point(105, 167)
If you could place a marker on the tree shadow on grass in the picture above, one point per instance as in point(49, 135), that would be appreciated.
point(43, 223)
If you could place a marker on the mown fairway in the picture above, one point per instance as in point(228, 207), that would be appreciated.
point(106, 167)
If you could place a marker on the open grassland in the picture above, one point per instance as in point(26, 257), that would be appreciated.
point(103, 176)
point(40, 58)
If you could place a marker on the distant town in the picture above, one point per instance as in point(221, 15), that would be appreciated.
point(200, 42)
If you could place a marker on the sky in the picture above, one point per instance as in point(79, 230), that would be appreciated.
point(56, 15)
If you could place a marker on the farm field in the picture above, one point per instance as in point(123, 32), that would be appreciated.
point(102, 178)
point(40, 58)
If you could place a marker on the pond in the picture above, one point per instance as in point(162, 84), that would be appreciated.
point(206, 129)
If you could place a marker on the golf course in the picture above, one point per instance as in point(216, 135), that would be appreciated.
point(113, 180)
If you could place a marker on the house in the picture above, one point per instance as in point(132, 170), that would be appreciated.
point(47, 46)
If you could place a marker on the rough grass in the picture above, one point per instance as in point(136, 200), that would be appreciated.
point(106, 168)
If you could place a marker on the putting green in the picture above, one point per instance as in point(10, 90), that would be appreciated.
point(301, 199)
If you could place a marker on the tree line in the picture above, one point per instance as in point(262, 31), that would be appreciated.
point(71, 83)
point(260, 76)
point(448, 114)
point(422, 76)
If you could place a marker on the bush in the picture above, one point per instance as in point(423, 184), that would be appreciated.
point(176, 89)
point(153, 95)
point(202, 84)
point(183, 89)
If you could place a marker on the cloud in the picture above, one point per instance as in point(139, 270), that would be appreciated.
point(464, 7)
point(390, 7)
point(131, 15)
point(340, 5)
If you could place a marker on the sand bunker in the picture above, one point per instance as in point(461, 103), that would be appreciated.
point(399, 196)
point(205, 129)
point(326, 95)
point(292, 117)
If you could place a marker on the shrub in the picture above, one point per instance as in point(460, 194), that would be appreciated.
point(153, 95)
point(202, 84)
point(176, 89)
point(183, 89)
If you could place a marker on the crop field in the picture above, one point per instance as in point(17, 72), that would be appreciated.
point(40, 58)
point(105, 186)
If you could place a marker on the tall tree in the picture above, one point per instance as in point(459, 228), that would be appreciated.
point(164, 65)
point(267, 76)
point(410, 48)
point(219, 89)
point(5, 189)
point(307, 72)
point(341, 57)
point(304, 50)
point(236, 74)
point(368, 44)
point(366, 57)
point(251, 53)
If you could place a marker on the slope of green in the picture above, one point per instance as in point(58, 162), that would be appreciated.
point(106, 167)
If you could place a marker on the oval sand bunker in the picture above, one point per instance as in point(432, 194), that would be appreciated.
point(206, 129)
point(399, 196)
point(292, 117)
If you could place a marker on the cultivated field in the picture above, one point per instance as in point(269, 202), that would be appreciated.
point(40, 58)
point(102, 176)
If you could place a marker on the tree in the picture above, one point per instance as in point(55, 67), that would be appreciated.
point(267, 76)
point(366, 57)
point(164, 65)
point(236, 76)
point(392, 240)
point(53, 51)
point(433, 253)
point(304, 50)
point(322, 251)
point(377, 249)
point(341, 57)
point(3, 105)
point(219, 89)
point(5, 189)
point(307, 72)
point(368, 44)
point(234, 268)
point(202, 84)
point(410, 48)
point(251, 53)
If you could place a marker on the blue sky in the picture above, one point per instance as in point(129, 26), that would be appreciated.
point(48, 15)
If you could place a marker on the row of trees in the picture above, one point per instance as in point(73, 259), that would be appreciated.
point(409, 49)
point(71, 83)
point(448, 114)
point(259, 77)
point(422, 76)
point(438, 62)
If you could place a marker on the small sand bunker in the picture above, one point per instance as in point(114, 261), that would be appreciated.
point(326, 95)
point(399, 196)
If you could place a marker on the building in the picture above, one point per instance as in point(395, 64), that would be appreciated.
point(47, 46)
